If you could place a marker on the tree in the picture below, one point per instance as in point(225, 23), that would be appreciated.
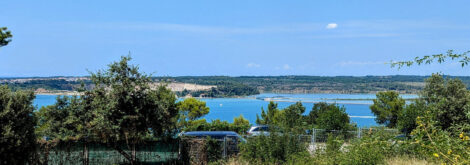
point(328, 116)
point(17, 138)
point(127, 109)
point(191, 109)
point(407, 119)
point(240, 124)
point(5, 36)
point(387, 107)
point(448, 100)
point(68, 119)
point(269, 118)
point(291, 117)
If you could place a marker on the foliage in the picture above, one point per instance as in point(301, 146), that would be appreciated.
point(462, 58)
point(67, 119)
point(407, 118)
point(126, 107)
point(448, 100)
point(314, 84)
point(191, 109)
point(213, 148)
point(122, 107)
point(328, 116)
point(223, 89)
point(5, 36)
point(239, 125)
point(276, 148)
point(291, 117)
point(440, 145)
point(387, 107)
point(17, 138)
point(269, 117)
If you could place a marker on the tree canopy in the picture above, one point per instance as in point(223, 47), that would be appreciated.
point(17, 138)
point(5, 36)
point(122, 107)
point(387, 107)
point(328, 116)
point(268, 118)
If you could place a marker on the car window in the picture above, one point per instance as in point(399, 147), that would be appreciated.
point(256, 129)
point(264, 129)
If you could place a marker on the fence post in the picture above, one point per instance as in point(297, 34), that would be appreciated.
point(358, 132)
point(313, 136)
point(85, 154)
point(225, 148)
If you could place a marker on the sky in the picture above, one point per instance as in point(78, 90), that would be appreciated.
point(232, 38)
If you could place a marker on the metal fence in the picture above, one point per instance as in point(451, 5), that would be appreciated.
point(97, 153)
point(321, 135)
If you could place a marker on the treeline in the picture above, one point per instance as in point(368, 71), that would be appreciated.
point(223, 89)
point(53, 84)
point(317, 84)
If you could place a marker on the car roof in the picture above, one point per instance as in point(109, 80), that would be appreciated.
point(210, 133)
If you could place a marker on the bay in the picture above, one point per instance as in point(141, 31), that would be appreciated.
point(357, 105)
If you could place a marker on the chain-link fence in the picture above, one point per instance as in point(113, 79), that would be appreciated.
point(321, 135)
point(202, 150)
point(64, 153)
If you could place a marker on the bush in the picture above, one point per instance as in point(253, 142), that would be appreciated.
point(213, 150)
point(17, 138)
point(276, 148)
point(435, 144)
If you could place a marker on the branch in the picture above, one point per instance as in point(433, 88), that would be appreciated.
point(440, 58)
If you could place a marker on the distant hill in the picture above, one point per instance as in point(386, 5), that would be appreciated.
point(225, 86)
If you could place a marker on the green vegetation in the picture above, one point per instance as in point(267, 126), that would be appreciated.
point(239, 125)
point(277, 148)
point(5, 36)
point(387, 107)
point(224, 89)
point(316, 84)
point(120, 108)
point(329, 117)
point(322, 116)
point(17, 139)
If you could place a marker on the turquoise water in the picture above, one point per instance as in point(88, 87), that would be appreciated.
point(228, 108)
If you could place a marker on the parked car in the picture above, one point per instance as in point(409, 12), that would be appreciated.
point(258, 130)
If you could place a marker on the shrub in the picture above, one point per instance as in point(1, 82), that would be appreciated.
point(273, 149)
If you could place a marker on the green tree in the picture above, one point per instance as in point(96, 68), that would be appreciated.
point(240, 125)
point(448, 100)
point(328, 116)
point(127, 109)
point(191, 109)
point(269, 117)
point(17, 138)
point(5, 36)
point(407, 119)
point(68, 119)
point(291, 117)
point(387, 107)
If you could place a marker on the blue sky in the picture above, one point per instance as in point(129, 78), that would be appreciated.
point(176, 38)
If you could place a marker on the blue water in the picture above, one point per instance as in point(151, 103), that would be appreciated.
point(228, 108)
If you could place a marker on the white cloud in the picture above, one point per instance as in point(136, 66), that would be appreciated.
point(253, 65)
point(331, 26)
point(286, 67)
